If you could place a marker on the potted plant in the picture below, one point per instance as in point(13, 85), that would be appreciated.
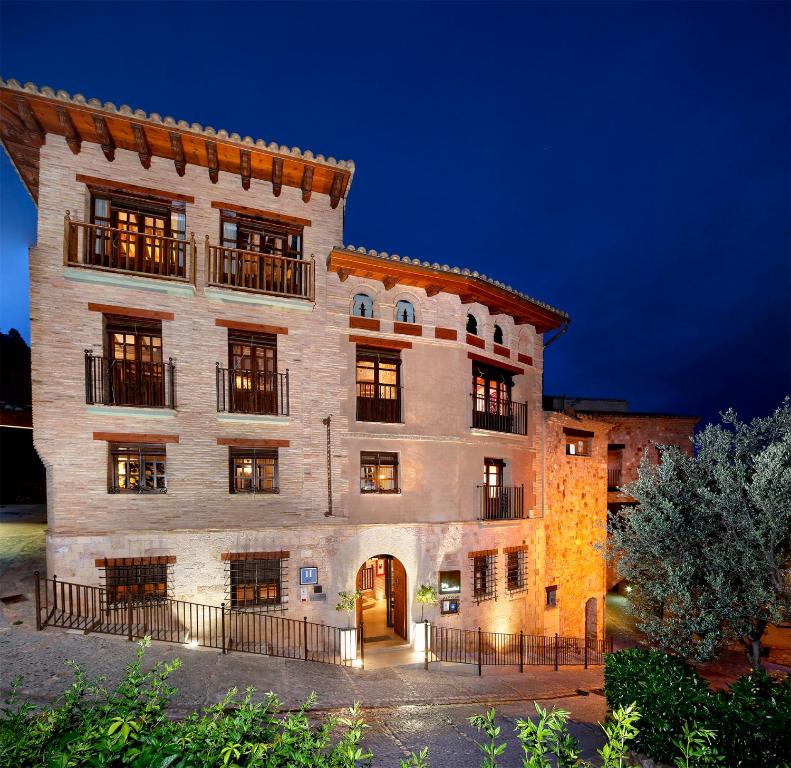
point(426, 595)
point(347, 603)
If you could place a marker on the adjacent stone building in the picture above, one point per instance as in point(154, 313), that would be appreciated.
point(233, 406)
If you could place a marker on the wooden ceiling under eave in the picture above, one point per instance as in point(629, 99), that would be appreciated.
point(468, 288)
point(26, 119)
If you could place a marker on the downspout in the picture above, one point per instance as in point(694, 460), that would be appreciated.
point(327, 423)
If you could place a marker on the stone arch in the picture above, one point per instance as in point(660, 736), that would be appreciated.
point(382, 579)
point(473, 325)
point(359, 307)
point(416, 306)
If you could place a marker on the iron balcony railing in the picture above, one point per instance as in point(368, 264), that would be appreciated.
point(501, 502)
point(264, 393)
point(613, 479)
point(378, 402)
point(499, 416)
point(259, 272)
point(143, 253)
point(129, 382)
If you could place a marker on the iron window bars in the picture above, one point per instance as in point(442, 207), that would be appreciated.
point(516, 569)
point(484, 575)
point(257, 581)
point(137, 583)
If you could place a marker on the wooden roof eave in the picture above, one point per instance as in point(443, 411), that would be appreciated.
point(468, 288)
point(168, 139)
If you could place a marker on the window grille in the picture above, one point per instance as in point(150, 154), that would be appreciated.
point(379, 472)
point(253, 470)
point(257, 580)
point(137, 468)
point(484, 575)
point(516, 569)
point(552, 597)
point(136, 580)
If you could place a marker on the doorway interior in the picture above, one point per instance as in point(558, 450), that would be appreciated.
point(382, 607)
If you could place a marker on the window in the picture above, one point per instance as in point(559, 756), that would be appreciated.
point(135, 580)
point(492, 405)
point(472, 325)
point(405, 312)
point(257, 579)
point(150, 236)
point(261, 235)
point(516, 568)
point(253, 383)
point(484, 575)
point(133, 372)
point(137, 468)
point(498, 334)
point(449, 582)
point(379, 473)
point(362, 305)
point(253, 470)
point(552, 597)
point(578, 442)
point(378, 385)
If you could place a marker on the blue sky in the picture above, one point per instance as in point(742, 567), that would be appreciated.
point(627, 162)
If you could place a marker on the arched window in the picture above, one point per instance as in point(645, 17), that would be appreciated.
point(498, 334)
point(472, 325)
point(405, 312)
point(363, 305)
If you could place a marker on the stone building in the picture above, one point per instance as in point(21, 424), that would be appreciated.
point(233, 406)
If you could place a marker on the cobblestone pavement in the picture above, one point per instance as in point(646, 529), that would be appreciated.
point(406, 707)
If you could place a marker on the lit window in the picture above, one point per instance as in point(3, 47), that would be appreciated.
point(135, 580)
point(253, 470)
point(378, 385)
point(257, 580)
point(363, 305)
point(484, 580)
point(498, 334)
point(516, 569)
point(578, 446)
point(137, 468)
point(405, 312)
point(472, 325)
point(379, 472)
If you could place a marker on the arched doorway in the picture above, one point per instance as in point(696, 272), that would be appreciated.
point(382, 607)
point(591, 619)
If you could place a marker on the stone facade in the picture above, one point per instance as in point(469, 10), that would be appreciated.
point(431, 525)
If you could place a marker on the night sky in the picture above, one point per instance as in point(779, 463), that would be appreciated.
point(629, 163)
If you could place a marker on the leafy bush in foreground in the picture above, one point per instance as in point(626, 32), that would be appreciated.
point(752, 720)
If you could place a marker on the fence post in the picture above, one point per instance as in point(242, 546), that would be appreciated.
point(54, 592)
point(222, 614)
point(362, 645)
point(305, 635)
point(556, 653)
point(129, 616)
point(521, 650)
point(586, 652)
point(479, 651)
point(38, 601)
point(425, 645)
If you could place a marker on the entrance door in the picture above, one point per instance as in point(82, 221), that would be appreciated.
point(399, 598)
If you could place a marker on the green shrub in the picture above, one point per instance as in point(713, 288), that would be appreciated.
point(750, 723)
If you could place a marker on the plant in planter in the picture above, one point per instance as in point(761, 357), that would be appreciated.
point(347, 603)
point(426, 595)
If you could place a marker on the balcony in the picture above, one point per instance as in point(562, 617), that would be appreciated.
point(501, 502)
point(614, 479)
point(500, 416)
point(135, 383)
point(262, 393)
point(262, 273)
point(378, 402)
point(129, 252)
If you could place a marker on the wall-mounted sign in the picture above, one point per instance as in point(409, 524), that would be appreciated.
point(449, 606)
point(449, 582)
point(309, 575)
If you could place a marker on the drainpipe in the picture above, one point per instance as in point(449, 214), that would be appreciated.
point(327, 423)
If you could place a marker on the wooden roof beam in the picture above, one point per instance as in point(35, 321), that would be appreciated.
point(211, 159)
point(277, 176)
point(29, 119)
point(178, 153)
point(335, 190)
point(343, 274)
point(244, 165)
point(73, 138)
point(105, 137)
point(389, 282)
point(307, 183)
point(433, 290)
point(141, 145)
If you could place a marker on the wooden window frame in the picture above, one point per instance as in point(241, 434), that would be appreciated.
point(264, 454)
point(265, 228)
point(140, 451)
point(492, 389)
point(584, 444)
point(393, 406)
point(551, 596)
point(137, 583)
point(374, 459)
point(267, 591)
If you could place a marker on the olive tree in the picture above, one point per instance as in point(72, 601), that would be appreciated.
point(707, 547)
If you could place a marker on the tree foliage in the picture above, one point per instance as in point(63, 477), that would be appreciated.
point(707, 548)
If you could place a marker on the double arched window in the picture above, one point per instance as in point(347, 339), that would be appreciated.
point(404, 311)
point(363, 305)
point(472, 325)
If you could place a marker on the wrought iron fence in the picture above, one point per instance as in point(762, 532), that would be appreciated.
point(378, 402)
point(259, 392)
point(469, 646)
point(499, 416)
point(129, 382)
point(613, 479)
point(501, 502)
point(79, 606)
